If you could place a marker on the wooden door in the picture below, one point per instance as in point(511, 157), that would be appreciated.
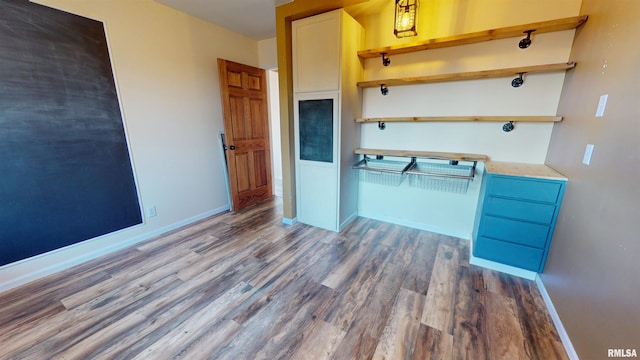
point(244, 101)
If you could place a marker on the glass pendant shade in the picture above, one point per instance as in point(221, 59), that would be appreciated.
point(405, 20)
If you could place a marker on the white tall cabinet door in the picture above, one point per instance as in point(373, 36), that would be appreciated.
point(326, 69)
point(316, 145)
point(316, 53)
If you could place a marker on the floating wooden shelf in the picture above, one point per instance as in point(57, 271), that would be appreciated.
point(423, 154)
point(472, 75)
point(462, 118)
point(476, 37)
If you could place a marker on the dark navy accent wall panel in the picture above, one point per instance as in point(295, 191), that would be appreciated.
point(65, 171)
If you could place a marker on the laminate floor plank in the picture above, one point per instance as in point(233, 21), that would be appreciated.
point(192, 234)
point(89, 346)
point(121, 284)
point(273, 287)
point(214, 263)
point(88, 320)
point(162, 316)
point(288, 334)
point(349, 301)
point(439, 304)
point(319, 342)
point(420, 268)
point(268, 329)
point(35, 302)
point(433, 344)
point(30, 319)
point(67, 328)
point(173, 342)
point(535, 325)
point(498, 283)
point(398, 340)
point(281, 240)
point(358, 227)
point(505, 340)
point(405, 245)
point(166, 313)
point(470, 325)
point(52, 287)
point(242, 285)
point(214, 338)
point(368, 323)
point(354, 258)
point(290, 254)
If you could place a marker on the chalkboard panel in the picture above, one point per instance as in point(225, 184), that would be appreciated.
point(65, 171)
point(316, 129)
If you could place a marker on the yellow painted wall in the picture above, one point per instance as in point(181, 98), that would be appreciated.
point(453, 214)
point(440, 18)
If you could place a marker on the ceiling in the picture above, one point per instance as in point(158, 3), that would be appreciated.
point(255, 19)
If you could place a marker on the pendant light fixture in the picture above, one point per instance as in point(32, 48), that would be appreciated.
point(405, 20)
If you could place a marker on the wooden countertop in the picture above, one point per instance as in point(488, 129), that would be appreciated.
point(424, 154)
point(539, 171)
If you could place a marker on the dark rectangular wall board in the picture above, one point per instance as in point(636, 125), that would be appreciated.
point(65, 170)
point(316, 130)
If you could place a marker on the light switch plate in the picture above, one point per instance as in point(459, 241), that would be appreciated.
point(602, 104)
point(588, 151)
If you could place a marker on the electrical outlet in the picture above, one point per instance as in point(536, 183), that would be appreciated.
point(588, 151)
point(151, 211)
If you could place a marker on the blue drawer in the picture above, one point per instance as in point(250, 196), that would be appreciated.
point(527, 189)
point(524, 233)
point(510, 254)
point(522, 210)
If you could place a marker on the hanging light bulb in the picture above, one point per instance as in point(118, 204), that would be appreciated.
point(405, 19)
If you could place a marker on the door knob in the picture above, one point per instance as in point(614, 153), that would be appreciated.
point(232, 147)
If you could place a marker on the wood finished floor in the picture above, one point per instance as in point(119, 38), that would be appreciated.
point(244, 286)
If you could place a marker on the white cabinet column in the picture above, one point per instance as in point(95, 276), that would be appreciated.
point(326, 69)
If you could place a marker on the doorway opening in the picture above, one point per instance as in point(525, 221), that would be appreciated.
point(273, 95)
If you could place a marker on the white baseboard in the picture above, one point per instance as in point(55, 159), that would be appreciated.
point(23, 271)
point(417, 225)
point(288, 221)
point(507, 269)
point(562, 332)
point(347, 221)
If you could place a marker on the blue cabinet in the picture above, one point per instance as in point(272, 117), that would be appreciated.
point(517, 214)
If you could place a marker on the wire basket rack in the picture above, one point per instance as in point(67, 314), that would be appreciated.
point(382, 172)
point(441, 177)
